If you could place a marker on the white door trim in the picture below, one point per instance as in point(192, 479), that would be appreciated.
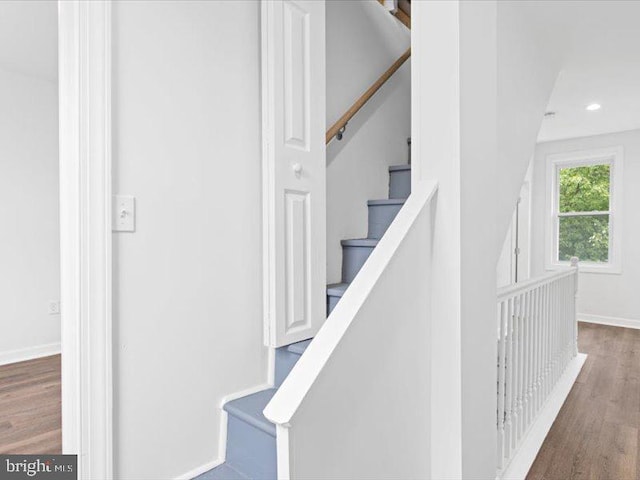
point(84, 32)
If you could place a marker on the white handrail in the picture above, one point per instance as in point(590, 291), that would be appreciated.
point(537, 338)
point(367, 365)
point(510, 290)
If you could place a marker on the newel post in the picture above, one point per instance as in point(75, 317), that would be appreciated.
point(574, 264)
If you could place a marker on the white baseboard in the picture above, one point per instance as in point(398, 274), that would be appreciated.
point(534, 438)
point(223, 433)
point(222, 450)
point(244, 393)
point(613, 321)
point(200, 470)
point(30, 353)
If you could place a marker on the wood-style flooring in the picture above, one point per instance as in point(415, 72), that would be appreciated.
point(595, 436)
point(30, 407)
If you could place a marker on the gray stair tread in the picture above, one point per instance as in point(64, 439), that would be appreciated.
point(299, 347)
point(222, 472)
point(398, 168)
point(249, 410)
point(360, 242)
point(387, 201)
point(337, 289)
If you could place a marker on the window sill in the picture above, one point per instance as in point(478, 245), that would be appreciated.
point(588, 268)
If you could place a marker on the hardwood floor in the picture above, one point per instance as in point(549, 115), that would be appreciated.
point(30, 407)
point(595, 436)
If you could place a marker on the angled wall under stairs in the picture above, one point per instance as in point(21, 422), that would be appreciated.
point(251, 438)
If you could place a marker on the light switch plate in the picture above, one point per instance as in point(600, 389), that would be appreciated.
point(54, 308)
point(124, 213)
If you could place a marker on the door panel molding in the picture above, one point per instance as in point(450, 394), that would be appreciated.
point(294, 169)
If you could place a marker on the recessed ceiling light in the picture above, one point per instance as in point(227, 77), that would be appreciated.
point(593, 107)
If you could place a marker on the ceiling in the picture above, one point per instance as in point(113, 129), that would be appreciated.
point(600, 41)
point(29, 37)
point(601, 64)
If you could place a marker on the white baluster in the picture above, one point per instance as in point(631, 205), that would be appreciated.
point(574, 303)
point(534, 351)
point(558, 323)
point(529, 365)
point(547, 340)
point(569, 325)
point(569, 346)
point(554, 337)
point(521, 360)
point(509, 380)
point(525, 360)
point(516, 373)
point(565, 322)
point(540, 363)
point(552, 330)
point(561, 325)
point(501, 381)
point(534, 361)
point(537, 338)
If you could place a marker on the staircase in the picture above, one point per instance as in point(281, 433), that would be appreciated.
point(251, 438)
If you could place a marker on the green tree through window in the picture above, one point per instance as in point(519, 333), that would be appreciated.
point(584, 195)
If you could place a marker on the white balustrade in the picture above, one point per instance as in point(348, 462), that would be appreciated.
point(537, 338)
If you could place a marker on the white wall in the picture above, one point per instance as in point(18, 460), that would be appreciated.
point(454, 125)
point(518, 236)
point(529, 59)
point(479, 195)
point(188, 282)
point(485, 80)
point(363, 40)
point(600, 295)
point(505, 269)
point(29, 244)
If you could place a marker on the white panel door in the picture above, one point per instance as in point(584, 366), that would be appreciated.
point(294, 165)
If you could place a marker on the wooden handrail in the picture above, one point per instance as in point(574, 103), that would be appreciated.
point(402, 13)
point(404, 18)
point(342, 122)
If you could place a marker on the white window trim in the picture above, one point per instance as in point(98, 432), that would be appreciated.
point(611, 155)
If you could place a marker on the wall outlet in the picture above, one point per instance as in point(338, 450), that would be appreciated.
point(54, 308)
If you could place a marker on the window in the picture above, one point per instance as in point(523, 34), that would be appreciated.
point(584, 200)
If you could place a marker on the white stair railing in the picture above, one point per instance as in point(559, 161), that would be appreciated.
point(537, 338)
